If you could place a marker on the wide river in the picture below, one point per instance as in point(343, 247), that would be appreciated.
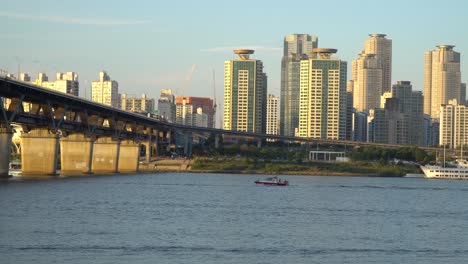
point(226, 218)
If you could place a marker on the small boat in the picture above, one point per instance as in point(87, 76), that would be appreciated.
point(273, 181)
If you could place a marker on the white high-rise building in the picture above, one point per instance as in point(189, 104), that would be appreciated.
point(105, 90)
point(322, 108)
point(367, 82)
point(272, 115)
point(65, 82)
point(453, 124)
point(442, 78)
point(379, 45)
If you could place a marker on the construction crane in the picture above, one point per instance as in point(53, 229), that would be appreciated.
point(188, 80)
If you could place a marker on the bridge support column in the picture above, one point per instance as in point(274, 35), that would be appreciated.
point(105, 155)
point(129, 156)
point(156, 143)
point(216, 143)
point(76, 152)
point(188, 144)
point(259, 143)
point(39, 150)
point(5, 148)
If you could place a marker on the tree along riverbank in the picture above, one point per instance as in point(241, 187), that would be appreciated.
point(244, 165)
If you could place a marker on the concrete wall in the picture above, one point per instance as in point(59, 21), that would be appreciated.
point(129, 156)
point(76, 152)
point(5, 148)
point(39, 152)
point(105, 155)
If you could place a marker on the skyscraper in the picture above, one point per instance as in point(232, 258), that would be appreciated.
point(367, 77)
point(166, 105)
point(244, 94)
point(322, 109)
point(442, 78)
point(272, 115)
point(296, 47)
point(382, 48)
point(105, 90)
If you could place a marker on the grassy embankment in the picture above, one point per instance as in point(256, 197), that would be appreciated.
point(256, 166)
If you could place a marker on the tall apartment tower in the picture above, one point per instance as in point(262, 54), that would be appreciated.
point(166, 105)
point(322, 108)
point(367, 77)
point(411, 105)
point(272, 115)
point(442, 78)
point(453, 124)
point(296, 47)
point(245, 94)
point(379, 45)
point(105, 90)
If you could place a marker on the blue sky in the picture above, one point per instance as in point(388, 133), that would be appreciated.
point(152, 45)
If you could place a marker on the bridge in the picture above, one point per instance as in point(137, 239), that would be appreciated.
point(95, 138)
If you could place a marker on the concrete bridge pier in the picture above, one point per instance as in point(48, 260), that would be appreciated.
point(129, 156)
point(105, 155)
point(259, 143)
point(5, 148)
point(76, 153)
point(216, 143)
point(188, 144)
point(39, 150)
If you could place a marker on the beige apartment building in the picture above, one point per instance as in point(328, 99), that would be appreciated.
point(272, 115)
point(141, 104)
point(442, 78)
point(105, 90)
point(65, 82)
point(453, 124)
point(379, 45)
point(366, 79)
point(322, 106)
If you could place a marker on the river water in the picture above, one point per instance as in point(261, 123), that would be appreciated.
point(226, 218)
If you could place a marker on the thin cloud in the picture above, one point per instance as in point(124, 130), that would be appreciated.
point(73, 20)
point(256, 48)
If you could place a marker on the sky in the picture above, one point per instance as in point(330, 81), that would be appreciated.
point(181, 45)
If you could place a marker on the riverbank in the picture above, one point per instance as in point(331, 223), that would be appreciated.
point(242, 165)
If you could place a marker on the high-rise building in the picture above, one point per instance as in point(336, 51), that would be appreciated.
point(65, 82)
point(453, 124)
point(463, 93)
point(442, 78)
point(105, 90)
point(411, 105)
point(245, 93)
point(379, 45)
point(141, 104)
point(272, 115)
point(367, 77)
point(166, 105)
point(296, 47)
point(25, 77)
point(187, 107)
point(400, 118)
point(387, 125)
point(322, 109)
